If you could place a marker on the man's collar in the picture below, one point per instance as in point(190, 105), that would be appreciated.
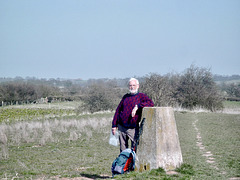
point(134, 93)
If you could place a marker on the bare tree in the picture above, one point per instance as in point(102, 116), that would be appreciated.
point(160, 89)
point(194, 88)
point(101, 96)
point(197, 88)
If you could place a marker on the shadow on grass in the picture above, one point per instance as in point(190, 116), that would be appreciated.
point(95, 176)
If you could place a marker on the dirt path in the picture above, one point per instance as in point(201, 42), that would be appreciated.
point(204, 150)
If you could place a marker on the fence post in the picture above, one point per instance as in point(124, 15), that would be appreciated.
point(159, 145)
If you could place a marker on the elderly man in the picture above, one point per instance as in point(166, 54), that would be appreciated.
point(128, 114)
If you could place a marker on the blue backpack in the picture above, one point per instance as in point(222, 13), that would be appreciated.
point(125, 162)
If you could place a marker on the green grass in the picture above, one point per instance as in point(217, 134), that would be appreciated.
point(37, 111)
point(19, 114)
point(64, 159)
point(220, 135)
point(231, 104)
point(77, 146)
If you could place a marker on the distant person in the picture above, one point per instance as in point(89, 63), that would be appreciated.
point(128, 114)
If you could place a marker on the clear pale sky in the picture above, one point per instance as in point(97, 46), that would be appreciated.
point(117, 38)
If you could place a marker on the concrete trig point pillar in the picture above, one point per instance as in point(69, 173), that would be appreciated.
point(159, 145)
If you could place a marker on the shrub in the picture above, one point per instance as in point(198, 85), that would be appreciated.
point(160, 89)
point(197, 88)
point(101, 97)
point(21, 92)
point(232, 90)
point(194, 88)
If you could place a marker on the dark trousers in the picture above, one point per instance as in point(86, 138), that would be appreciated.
point(124, 135)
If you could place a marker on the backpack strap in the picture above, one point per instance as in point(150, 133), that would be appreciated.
point(139, 134)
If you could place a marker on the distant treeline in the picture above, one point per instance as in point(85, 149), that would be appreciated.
point(222, 78)
point(121, 82)
point(195, 87)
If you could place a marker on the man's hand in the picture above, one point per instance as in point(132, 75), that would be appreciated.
point(114, 130)
point(134, 110)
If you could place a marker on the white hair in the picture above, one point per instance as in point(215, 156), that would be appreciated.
point(133, 79)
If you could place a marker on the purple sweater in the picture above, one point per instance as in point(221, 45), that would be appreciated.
point(124, 110)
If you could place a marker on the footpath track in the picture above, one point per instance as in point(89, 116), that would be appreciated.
point(208, 154)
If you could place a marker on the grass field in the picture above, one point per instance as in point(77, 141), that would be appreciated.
point(56, 144)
